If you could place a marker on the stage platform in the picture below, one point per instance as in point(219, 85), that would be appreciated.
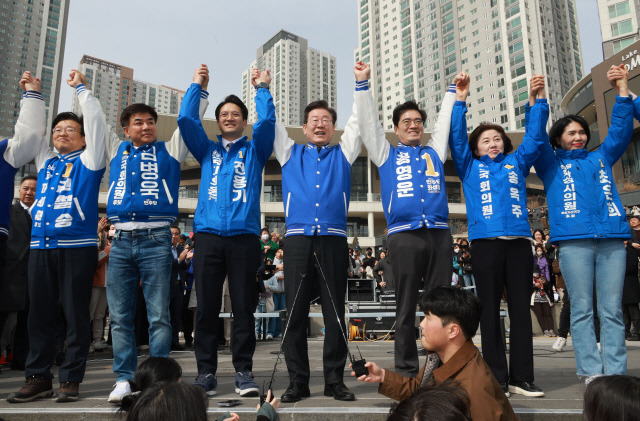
point(555, 374)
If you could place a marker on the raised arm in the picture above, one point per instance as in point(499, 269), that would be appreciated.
point(189, 122)
point(95, 126)
point(176, 146)
point(535, 136)
point(282, 144)
point(458, 139)
point(31, 125)
point(371, 132)
point(440, 135)
point(264, 130)
point(621, 128)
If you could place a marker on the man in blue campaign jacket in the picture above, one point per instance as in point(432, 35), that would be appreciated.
point(414, 200)
point(316, 183)
point(227, 223)
point(64, 246)
point(142, 203)
point(19, 150)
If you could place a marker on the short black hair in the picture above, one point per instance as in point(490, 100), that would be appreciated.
point(265, 229)
point(232, 99)
point(139, 108)
point(612, 398)
point(320, 104)
point(447, 401)
point(453, 305)
point(29, 177)
point(170, 401)
point(483, 127)
point(68, 115)
point(558, 128)
point(402, 108)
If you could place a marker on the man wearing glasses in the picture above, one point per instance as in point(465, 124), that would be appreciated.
point(414, 200)
point(227, 223)
point(316, 185)
point(64, 246)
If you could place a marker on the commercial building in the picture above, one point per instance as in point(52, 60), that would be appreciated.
point(416, 47)
point(299, 75)
point(32, 37)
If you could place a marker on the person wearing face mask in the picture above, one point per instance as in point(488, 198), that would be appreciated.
point(267, 245)
point(495, 187)
point(588, 223)
point(542, 295)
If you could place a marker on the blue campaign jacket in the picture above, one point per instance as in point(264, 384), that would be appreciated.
point(65, 213)
point(143, 184)
point(412, 179)
point(495, 190)
point(231, 182)
point(316, 188)
point(7, 173)
point(581, 193)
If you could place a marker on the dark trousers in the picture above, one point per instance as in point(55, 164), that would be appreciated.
point(543, 315)
point(419, 259)
point(187, 318)
point(176, 294)
point(631, 317)
point(301, 272)
point(67, 275)
point(564, 324)
point(238, 257)
point(499, 265)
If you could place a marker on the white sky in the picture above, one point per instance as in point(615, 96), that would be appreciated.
point(164, 40)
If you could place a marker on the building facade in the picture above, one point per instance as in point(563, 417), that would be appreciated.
point(115, 87)
point(299, 75)
point(32, 37)
point(416, 47)
point(618, 24)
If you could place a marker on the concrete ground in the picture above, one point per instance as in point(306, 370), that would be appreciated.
point(555, 374)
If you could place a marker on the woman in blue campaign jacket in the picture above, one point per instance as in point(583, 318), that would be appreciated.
point(495, 194)
point(588, 223)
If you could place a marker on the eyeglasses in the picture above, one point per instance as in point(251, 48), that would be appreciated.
point(324, 121)
point(407, 122)
point(67, 130)
point(234, 115)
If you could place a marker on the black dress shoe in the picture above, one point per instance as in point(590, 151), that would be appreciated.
point(339, 391)
point(295, 392)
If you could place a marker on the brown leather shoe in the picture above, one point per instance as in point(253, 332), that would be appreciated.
point(35, 387)
point(68, 392)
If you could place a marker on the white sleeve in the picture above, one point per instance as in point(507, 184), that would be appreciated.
point(371, 131)
point(440, 135)
point(112, 142)
point(351, 141)
point(95, 128)
point(29, 131)
point(283, 144)
point(176, 146)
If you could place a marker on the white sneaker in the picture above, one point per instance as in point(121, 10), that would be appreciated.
point(559, 344)
point(269, 337)
point(91, 349)
point(121, 389)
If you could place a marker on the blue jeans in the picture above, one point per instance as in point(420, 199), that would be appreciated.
point(139, 256)
point(275, 324)
point(600, 262)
